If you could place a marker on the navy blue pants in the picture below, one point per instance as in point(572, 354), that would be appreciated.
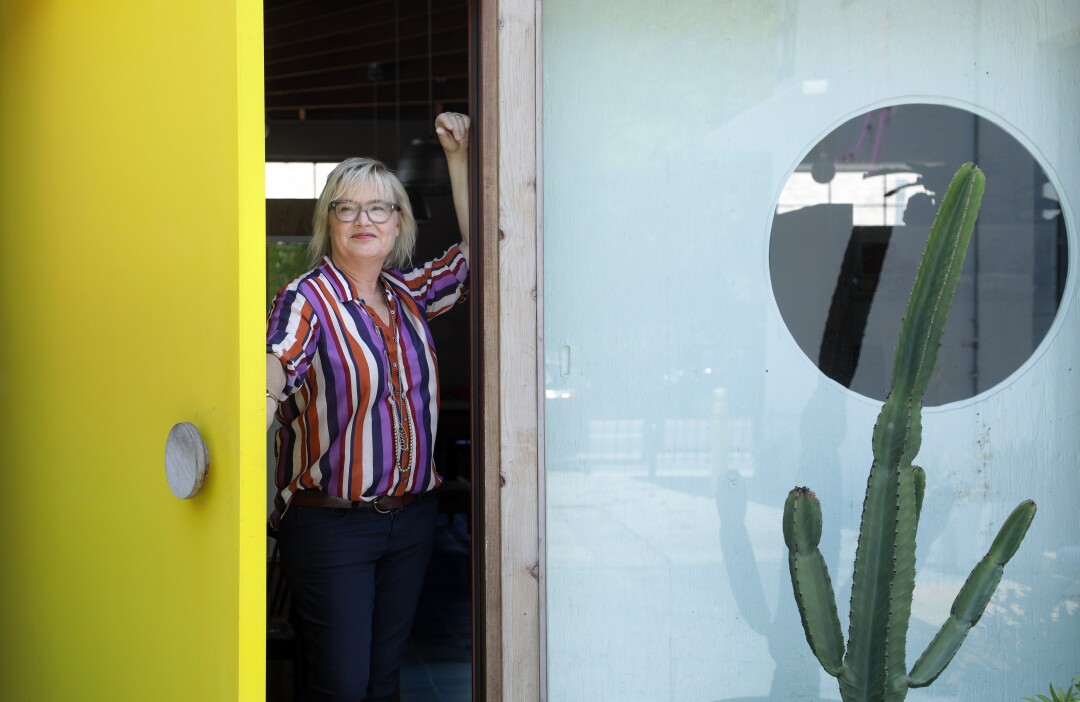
point(355, 577)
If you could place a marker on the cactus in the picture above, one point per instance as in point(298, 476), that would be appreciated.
point(872, 666)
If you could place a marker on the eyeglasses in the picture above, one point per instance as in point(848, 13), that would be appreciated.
point(377, 211)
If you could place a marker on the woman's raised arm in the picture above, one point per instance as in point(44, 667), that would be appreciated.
point(452, 129)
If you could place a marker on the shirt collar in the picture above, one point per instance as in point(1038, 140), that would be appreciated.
point(342, 285)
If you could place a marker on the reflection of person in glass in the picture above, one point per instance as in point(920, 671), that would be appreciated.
point(351, 374)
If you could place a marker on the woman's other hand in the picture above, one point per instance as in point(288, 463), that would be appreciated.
point(275, 387)
point(452, 128)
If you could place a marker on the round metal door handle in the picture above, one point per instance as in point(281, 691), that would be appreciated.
point(186, 460)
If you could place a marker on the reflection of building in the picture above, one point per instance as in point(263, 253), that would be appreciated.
point(862, 247)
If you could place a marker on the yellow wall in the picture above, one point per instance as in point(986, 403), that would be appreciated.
point(131, 267)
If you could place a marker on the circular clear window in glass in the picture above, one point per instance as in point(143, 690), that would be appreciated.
point(850, 226)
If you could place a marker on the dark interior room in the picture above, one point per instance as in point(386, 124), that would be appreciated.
point(342, 79)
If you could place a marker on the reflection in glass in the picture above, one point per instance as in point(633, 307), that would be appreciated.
point(677, 412)
point(849, 228)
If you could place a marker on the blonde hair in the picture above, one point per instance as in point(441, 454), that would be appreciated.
point(351, 176)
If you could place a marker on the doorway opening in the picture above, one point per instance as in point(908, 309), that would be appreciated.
point(345, 78)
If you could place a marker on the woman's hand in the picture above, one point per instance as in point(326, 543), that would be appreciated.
point(452, 128)
point(275, 386)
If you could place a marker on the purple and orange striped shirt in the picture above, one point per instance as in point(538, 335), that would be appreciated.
point(362, 397)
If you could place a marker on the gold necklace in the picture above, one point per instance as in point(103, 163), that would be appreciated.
point(400, 420)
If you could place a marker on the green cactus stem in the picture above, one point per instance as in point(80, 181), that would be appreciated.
point(973, 597)
point(920, 489)
point(810, 576)
point(873, 666)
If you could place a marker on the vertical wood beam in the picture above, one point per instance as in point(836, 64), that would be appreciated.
point(520, 348)
point(487, 549)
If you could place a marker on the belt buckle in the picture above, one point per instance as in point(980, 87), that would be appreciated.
point(380, 510)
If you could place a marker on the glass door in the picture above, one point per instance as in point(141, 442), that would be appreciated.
point(735, 198)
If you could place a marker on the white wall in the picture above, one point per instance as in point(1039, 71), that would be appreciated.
point(669, 131)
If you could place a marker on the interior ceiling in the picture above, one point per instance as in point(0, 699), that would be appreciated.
point(374, 59)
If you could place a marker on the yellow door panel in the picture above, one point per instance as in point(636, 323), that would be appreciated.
point(131, 264)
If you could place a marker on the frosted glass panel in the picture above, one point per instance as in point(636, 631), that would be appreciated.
point(679, 409)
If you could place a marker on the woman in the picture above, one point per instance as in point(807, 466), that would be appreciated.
point(351, 374)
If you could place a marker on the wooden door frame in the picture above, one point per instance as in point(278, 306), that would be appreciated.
point(509, 660)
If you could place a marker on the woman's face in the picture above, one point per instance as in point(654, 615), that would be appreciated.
point(363, 239)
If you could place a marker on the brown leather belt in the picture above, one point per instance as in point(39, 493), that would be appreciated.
point(383, 504)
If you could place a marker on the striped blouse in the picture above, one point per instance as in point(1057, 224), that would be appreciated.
point(362, 397)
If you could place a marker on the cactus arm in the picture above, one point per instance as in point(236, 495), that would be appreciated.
point(898, 431)
point(920, 489)
point(810, 579)
point(971, 601)
point(1012, 533)
point(935, 283)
